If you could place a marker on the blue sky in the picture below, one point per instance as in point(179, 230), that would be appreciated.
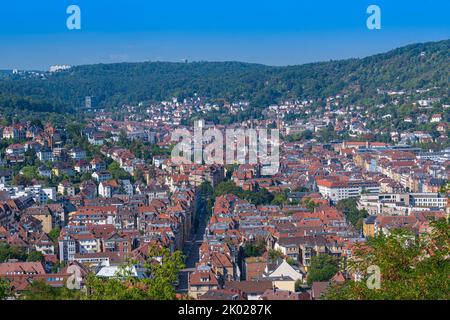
point(33, 34)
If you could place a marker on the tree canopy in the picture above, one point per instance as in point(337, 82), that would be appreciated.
point(261, 196)
point(162, 270)
point(352, 213)
point(322, 268)
point(114, 85)
point(412, 267)
point(4, 289)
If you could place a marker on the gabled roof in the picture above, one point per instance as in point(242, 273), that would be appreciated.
point(18, 268)
point(319, 289)
point(250, 287)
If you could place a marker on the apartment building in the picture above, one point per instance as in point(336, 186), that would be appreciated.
point(401, 203)
point(338, 188)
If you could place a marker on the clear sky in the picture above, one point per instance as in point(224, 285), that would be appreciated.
point(33, 33)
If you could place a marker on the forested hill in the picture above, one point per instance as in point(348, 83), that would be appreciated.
point(415, 66)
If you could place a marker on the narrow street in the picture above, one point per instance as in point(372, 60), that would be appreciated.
point(191, 249)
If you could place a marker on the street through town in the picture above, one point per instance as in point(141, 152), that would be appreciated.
point(191, 248)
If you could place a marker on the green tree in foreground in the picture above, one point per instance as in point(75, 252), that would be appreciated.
point(323, 267)
point(4, 289)
point(163, 272)
point(113, 289)
point(412, 268)
point(163, 275)
point(162, 269)
point(39, 290)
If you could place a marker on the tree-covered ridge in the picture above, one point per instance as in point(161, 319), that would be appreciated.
point(411, 67)
point(35, 104)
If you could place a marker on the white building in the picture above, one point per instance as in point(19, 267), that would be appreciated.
point(401, 203)
point(128, 187)
point(102, 176)
point(118, 271)
point(67, 249)
point(284, 269)
point(77, 155)
point(107, 189)
point(57, 68)
point(45, 156)
point(336, 189)
point(35, 193)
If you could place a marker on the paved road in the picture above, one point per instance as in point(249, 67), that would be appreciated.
point(191, 251)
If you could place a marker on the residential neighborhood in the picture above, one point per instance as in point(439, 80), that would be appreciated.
point(100, 195)
point(217, 158)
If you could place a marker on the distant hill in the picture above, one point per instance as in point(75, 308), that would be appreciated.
point(4, 73)
point(411, 67)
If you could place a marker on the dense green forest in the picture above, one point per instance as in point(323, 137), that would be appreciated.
point(411, 67)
